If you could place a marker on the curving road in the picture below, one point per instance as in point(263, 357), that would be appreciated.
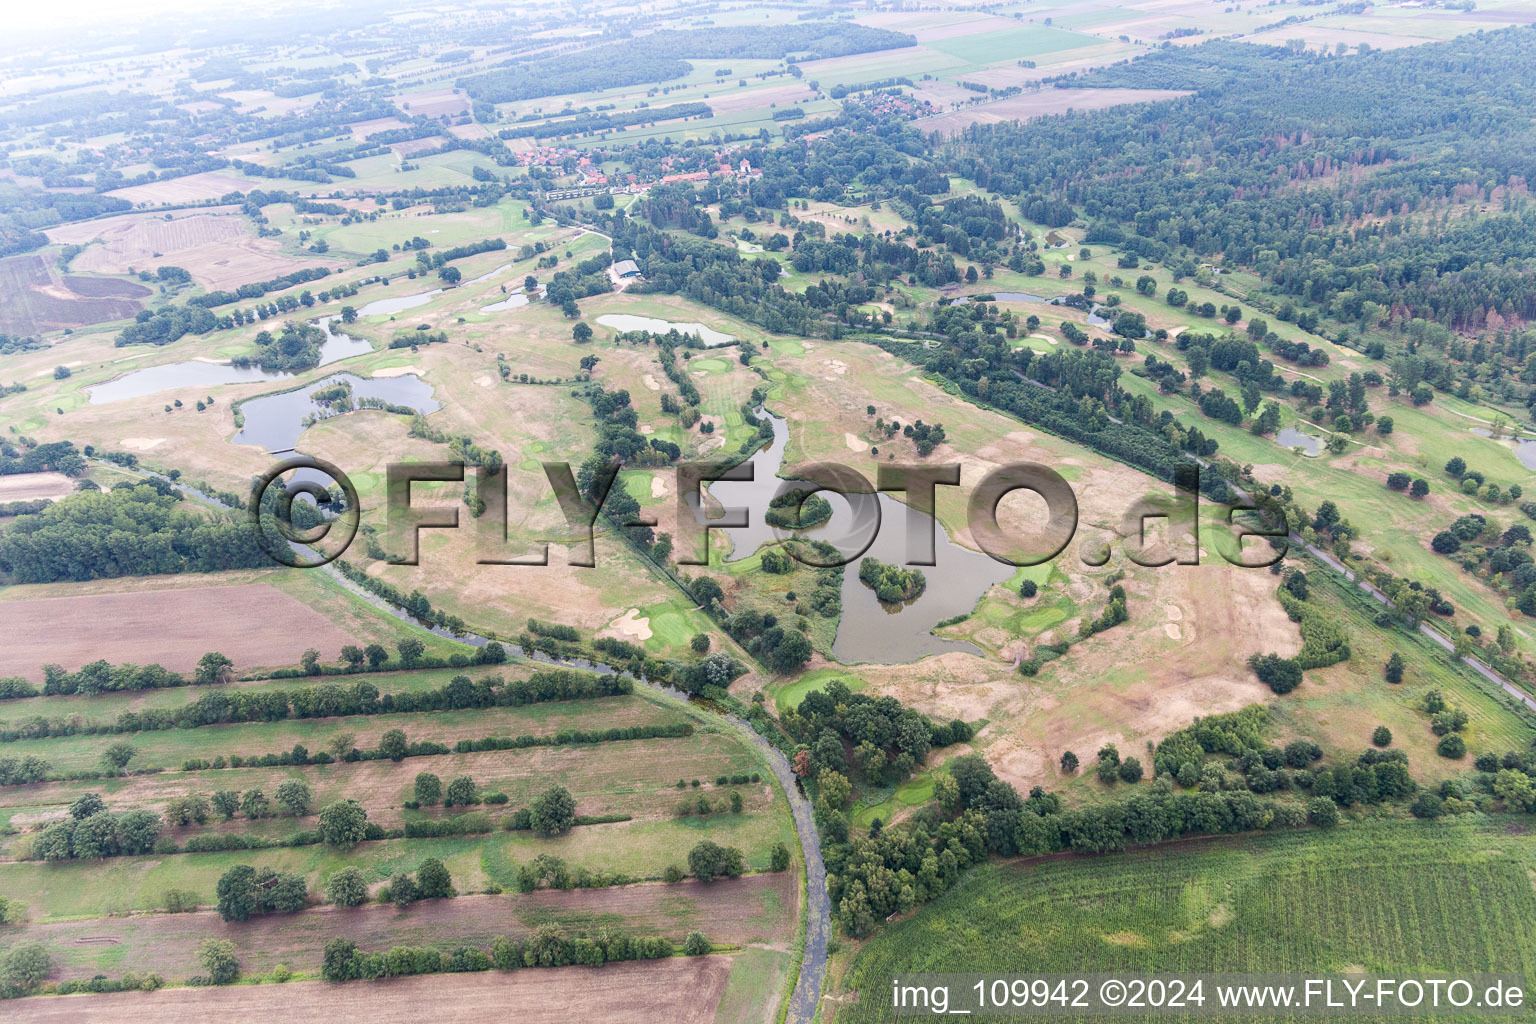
point(818, 909)
point(805, 999)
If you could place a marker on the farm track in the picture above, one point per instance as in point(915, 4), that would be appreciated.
point(806, 998)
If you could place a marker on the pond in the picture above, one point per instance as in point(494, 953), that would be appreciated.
point(397, 303)
point(490, 274)
point(1001, 297)
point(1524, 448)
point(1096, 317)
point(623, 322)
point(275, 421)
point(1290, 437)
point(512, 301)
point(200, 373)
point(869, 631)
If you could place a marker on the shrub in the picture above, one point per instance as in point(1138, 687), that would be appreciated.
point(1382, 737)
point(553, 812)
point(696, 944)
point(1452, 746)
point(708, 861)
point(1323, 812)
point(217, 957)
point(347, 888)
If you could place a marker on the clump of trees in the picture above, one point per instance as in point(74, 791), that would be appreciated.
point(888, 740)
point(91, 832)
point(431, 882)
point(892, 584)
point(709, 860)
point(245, 891)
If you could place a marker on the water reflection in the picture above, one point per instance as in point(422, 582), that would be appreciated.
point(869, 630)
point(201, 373)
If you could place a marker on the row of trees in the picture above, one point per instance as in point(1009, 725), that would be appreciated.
point(330, 700)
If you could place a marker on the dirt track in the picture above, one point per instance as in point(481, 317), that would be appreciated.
point(677, 991)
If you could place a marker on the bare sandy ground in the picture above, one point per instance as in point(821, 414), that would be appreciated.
point(32, 486)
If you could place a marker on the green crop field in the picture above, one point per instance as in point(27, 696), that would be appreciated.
point(1373, 897)
point(1014, 44)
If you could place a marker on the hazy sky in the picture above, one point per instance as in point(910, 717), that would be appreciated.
point(67, 14)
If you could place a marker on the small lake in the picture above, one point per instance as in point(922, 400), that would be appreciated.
point(1000, 297)
point(1096, 317)
point(869, 631)
point(198, 373)
point(1524, 449)
point(398, 303)
point(490, 274)
point(512, 301)
point(1290, 437)
point(275, 421)
point(623, 322)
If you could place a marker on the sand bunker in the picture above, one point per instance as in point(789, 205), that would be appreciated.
point(1173, 631)
point(853, 443)
point(142, 444)
point(400, 371)
point(658, 487)
point(650, 382)
point(633, 624)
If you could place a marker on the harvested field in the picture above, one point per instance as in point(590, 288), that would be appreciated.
point(435, 103)
point(362, 129)
point(34, 299)
point(415, 146)
point(104, 287)
point(190, 189)
point(254, 624)
point(753, 99)
point(679, 991)
point(1042, 103)
point(215, 247)
point(748, 909)
point(32, 486)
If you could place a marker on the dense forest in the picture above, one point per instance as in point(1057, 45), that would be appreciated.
point(659, 57)
point(1386, 185)
point(129, 531)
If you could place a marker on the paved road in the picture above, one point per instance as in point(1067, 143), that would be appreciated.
point(818, 909)
point(806, 997)
point(1424, 627)
point(818, 916)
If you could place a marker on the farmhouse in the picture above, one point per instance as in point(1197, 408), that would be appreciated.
point(626, 268)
